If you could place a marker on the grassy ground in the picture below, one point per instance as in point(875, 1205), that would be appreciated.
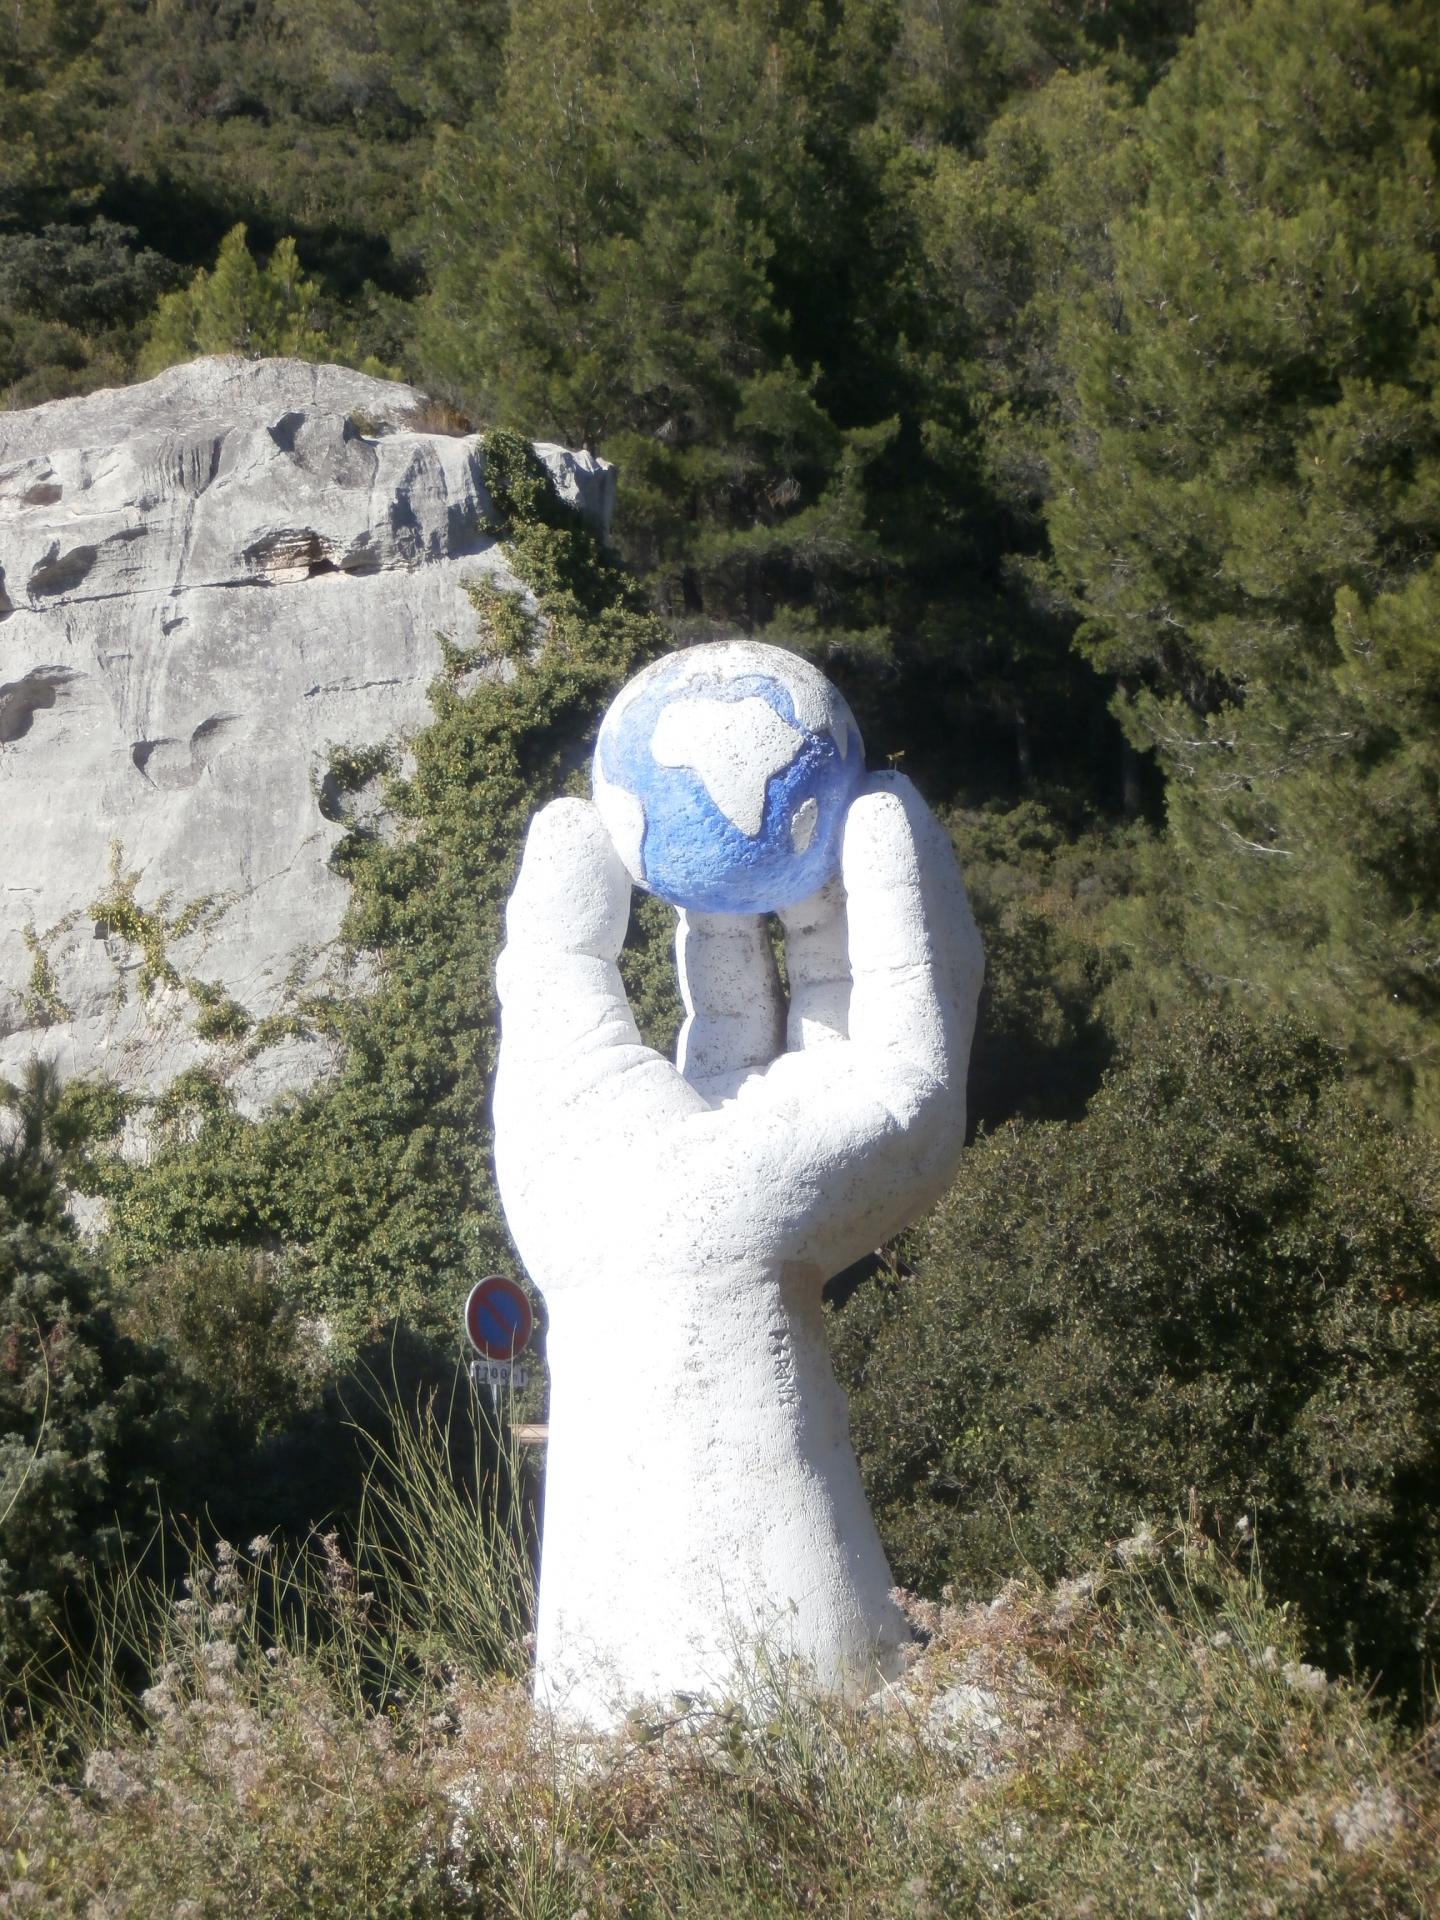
point(313, 1737)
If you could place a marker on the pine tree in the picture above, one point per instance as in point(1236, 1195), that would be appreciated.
point(1014, 235)
point(1246, 505)
point(239, 307)
point(661, 246)
point(959, 63)
point(442, 61)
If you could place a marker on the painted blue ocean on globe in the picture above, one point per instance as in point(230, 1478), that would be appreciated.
point(723, 774)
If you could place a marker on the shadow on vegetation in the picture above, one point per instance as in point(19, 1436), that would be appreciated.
point(184, 219)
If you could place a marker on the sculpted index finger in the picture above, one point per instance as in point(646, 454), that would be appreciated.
point(568, 1039)
point(572, 895)
point(731, 992)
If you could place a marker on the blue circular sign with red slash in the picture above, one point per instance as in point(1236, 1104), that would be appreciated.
point(498, 1318)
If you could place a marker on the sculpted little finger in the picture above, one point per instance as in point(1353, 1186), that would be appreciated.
point(915, 954)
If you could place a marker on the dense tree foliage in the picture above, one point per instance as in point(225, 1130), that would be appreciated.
point(1247, 505)
point(717, 271)
point(158, 127)
point(85, 1427)
point(660, 285)
point(1219, 1289)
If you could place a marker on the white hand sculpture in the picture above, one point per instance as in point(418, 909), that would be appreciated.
point(701, 1491)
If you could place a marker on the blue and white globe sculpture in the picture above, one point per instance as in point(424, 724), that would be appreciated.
point(723, 775)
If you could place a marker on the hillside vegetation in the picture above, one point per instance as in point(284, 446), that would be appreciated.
point(1065, 378)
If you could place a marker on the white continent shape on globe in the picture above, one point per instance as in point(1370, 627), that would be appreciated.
point(734, 746)
point(723, 774)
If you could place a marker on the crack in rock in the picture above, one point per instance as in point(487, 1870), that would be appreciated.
point(145, 705)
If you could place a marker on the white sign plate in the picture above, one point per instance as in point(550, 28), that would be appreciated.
point(497, 1373)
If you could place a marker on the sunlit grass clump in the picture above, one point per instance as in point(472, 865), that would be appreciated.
point(350, 1733)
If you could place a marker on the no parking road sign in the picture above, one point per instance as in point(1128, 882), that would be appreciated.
point(498, 1324)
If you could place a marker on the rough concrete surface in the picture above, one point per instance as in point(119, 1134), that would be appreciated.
point(703, 1507)
point(207, 581)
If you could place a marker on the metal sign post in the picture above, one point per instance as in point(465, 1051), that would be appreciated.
point(498, 1325)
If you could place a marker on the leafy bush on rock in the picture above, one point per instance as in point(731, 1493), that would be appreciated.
point(377, 1186)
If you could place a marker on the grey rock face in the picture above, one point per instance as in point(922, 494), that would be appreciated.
point(207, 582)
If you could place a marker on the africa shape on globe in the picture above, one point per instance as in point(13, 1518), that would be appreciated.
point(723, 775)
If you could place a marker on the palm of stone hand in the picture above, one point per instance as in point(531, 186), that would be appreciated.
point(822, 1128)
point(681, 1220)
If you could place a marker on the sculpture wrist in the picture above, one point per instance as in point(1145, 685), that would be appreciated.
point(710, 1469)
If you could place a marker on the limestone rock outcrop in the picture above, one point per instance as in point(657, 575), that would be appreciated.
point(208, 583)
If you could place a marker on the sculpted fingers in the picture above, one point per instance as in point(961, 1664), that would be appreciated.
point(849, 1141)
point(841, 1150)
point(817, 960)
point(915, 955)
point(564, 927)
point(731, 991)
point(567, 1037)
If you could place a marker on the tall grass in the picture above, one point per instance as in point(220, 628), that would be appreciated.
point(435, 1574)
point(327, 1732)
point(448, 1522)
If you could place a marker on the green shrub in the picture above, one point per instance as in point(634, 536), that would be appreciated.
point(221, 1017)
point(1222, 1285)
point(378, 1185)
point(229, 1324)
point(73, 300)
point(85, 1423)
